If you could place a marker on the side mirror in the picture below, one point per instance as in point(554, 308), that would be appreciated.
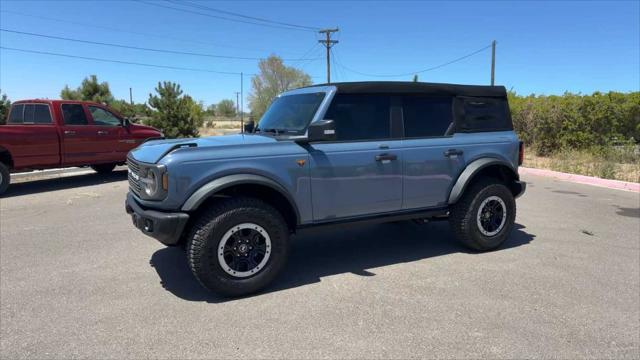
point(249, 126)
point(126, 122)
point(323, 130)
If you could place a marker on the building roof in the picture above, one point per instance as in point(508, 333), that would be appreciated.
point(408, 87)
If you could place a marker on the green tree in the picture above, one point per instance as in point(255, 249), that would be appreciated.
point(274, 78)
point(89, 90)
point(211, 110)
point(5, 104)
point(174, 113)
point(226, 108)
point(131, 111)
point(415, 78)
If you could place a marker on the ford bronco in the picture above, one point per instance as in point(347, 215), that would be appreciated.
point(330, 154)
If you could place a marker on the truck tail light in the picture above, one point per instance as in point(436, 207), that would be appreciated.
point(521, 153)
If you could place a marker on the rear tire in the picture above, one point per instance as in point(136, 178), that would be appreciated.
point(238, 246)
point(5, 178)
point(103, 168)
point(483, 218)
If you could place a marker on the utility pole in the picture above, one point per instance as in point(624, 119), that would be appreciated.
point(131, 96)
point(237, 103)
point(328, 43)
point(493, 62)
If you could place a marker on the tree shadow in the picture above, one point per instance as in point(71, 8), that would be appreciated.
point(62, 183)
point(317, 253)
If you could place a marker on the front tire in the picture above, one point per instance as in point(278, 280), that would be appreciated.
point(103, 169)
point(483, 218)
point(238, 247)
point(5, 178)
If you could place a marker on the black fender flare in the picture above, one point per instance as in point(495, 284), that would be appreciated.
point(471, 170)
point(221, 183)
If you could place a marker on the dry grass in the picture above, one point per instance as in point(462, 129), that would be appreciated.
point(611, 163)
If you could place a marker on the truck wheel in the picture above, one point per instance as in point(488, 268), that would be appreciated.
point(483, 218)
point(5, 178)
point(238, 247)
point(103, 168)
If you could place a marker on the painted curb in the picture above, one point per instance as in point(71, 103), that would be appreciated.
point(583, 179)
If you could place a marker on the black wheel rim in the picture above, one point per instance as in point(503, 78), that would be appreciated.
point(492, 215)
point(244, 250)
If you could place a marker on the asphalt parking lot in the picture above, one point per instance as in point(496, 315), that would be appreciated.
point(78, 281)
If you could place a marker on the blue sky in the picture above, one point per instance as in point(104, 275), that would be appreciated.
point(543, 47)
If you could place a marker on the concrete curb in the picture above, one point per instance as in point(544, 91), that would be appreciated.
point(582, 179)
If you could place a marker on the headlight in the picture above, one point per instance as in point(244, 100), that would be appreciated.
point(155, 183)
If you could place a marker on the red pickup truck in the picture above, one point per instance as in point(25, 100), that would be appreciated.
point(42, 134)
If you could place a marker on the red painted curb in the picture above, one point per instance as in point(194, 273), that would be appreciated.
point(582, 179)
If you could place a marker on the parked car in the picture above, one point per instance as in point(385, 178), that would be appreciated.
point(43, 134)
point(330, 155)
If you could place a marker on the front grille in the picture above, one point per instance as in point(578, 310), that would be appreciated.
point(134, 168)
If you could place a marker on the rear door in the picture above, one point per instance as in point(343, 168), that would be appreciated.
point(32, 136)
point(361, 172)
point(78, 136)
point(432, 158)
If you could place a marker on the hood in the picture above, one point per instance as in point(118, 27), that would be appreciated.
point(154, 150)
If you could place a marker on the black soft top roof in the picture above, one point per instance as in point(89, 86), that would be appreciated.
point(409, 87)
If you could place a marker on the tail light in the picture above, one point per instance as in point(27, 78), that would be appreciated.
point(521, 153)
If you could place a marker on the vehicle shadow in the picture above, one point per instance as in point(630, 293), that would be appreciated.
point(62, 183)
point(324, 252)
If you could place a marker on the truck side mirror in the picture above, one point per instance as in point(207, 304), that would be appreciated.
point(126, 122)
point(249, 126)
point(323, 130)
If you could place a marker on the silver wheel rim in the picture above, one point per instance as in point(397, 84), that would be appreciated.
point(244, 250)
point(486, 214)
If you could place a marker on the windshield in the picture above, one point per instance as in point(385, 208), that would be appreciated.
point(291, 113)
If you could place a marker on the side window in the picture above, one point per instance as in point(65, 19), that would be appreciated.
point(485, 114)
point(41, 114)
point(426, 116)
point(360, 116)
point(16, 116)
point(73, 114)
point(103, 117)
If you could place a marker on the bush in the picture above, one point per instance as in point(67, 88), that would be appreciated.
point(572, 121)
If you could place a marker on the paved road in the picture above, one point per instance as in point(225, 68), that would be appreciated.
point(78, 281)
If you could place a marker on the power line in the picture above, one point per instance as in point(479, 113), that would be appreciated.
point(130, 32)
point(219, 17)
point(120, 61)
point(419, 71)
point(200, 6)
point(138, 47)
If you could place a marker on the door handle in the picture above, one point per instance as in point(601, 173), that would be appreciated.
point(453, 152)
point(69, 132)
point(383, 157)
point(102, 132)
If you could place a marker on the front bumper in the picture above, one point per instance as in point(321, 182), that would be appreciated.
point(165, 227)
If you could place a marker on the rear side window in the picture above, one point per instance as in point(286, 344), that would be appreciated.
point(42, 115)
point(16, 116)
point(73, 114)
point(485, 114)
point(426, 116)
point(360, 116)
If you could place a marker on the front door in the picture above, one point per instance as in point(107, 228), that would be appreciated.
point(108, 133)
point(78, 136)
point(361, 172)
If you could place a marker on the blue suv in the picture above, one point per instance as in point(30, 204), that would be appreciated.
point(324, 155)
